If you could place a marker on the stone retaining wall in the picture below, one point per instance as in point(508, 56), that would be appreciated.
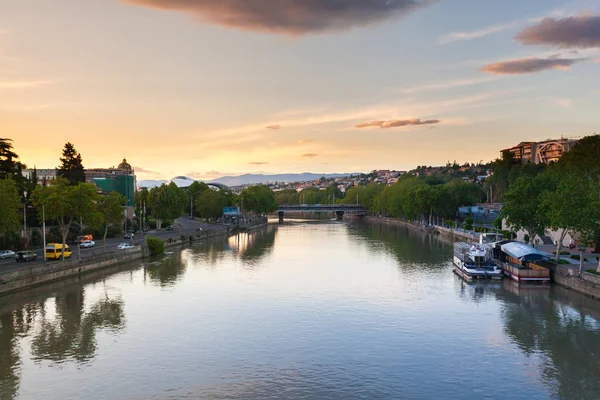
point(52, 271)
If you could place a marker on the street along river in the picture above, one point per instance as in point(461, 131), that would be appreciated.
point(325, 310)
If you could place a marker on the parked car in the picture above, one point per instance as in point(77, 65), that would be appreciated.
point(128, 235)
point(25, 256)
point(170, 227)
point(125, 246)
point(87, 244)
point(4, 254)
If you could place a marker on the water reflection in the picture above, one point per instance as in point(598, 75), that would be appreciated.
point(544, 322)
point(71, 334)
point(168, 271)
point(337, 320)
point(407, 245)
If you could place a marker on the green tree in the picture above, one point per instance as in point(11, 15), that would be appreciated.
point(9, 206)
point(110, 208)
point(259, 199)
point(8, 159)
point(167, 202)
point(210, 204)
point(66, 203)
point(194, 191)
point(71, 167)
point(522, 205)
point(573, 207)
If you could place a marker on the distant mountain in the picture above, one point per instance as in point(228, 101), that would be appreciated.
point(248, 179)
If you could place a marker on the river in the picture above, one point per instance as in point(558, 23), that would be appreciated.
point(323, 310)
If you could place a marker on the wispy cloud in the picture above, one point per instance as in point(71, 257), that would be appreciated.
point(396, 123)
point(529, 65)
point(26, 84)
point(274, 127)
point(448, 85)
point(259, 163)
point(310, 155)
point(145, 171)
point(470, 35)
point(290, 17)
point(492, 29)
point(560, 102)
point(305, 141)
point(579, 32)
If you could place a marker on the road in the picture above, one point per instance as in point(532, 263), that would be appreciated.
point(182, 226)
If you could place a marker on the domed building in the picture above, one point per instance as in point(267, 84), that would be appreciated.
point(125, 166)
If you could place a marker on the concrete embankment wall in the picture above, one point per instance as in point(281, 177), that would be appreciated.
point(51, 271)
point(588, 284)
point(24, 278)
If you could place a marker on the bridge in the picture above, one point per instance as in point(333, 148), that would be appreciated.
point(338, 209)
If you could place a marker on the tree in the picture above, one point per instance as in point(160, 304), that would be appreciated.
point(71, 167)
point(522, 205)
point(110, 208)
point(65, 203)
point(574, 207)
point(8, 159)
point(194, 191)
point(259, 199)
point(9, 206)
point(210, 204)
point(166, 202)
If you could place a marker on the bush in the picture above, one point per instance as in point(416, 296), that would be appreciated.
point(155, 245)
point(564, 253)
point(577, 257)
point(469, 224)
point(593, 271)
point(449, 222)
point(498, 223)
point(526, 238)
point(563, 262)
point(183, 238)
point(191, 238)
point(36, 238)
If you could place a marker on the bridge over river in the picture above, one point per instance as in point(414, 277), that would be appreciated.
point(338, 209)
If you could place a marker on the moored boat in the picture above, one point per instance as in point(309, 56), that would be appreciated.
point(474, 261)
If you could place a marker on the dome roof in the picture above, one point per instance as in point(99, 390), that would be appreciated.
point(125, 165)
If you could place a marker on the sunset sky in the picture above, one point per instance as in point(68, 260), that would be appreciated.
point(206, 88)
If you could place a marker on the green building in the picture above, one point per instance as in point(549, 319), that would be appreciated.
point(122, 184)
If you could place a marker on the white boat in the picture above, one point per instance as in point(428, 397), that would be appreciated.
point(475, 261)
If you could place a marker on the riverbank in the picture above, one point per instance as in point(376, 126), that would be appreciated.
point(40, 274)
point(565, 276)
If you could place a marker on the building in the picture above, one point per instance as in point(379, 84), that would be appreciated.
point(120, 179)
point(541, 152)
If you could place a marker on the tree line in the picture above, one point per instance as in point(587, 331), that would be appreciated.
point(564, 196)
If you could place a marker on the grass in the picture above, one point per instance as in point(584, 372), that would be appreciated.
point(593, 271)
point(563, 262)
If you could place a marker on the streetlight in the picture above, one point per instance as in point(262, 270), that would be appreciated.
point(581, 249)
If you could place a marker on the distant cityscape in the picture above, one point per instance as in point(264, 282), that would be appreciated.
point(122, 179)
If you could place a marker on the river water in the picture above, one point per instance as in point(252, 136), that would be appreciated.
point(321, 310)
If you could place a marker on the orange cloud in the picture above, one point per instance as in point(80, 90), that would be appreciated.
point(395, 123)
point(529, 65)
point(274, 127)
point(310, 155)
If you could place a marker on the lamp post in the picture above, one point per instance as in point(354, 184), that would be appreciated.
point(44, 230)
point(581, 249)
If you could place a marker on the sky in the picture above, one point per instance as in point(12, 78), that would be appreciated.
point(206, 88)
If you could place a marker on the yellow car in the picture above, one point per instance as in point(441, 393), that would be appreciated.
point(54, 251)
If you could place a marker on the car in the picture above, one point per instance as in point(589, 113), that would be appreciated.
point(199, 230)
point(170, 227)
point(190, 217)
point(4, 254)
point(128, 235)
point(125, 246)
point(87, 243)
point(25, 256)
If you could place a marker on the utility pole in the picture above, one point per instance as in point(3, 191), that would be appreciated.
point(191, 207)
point(44, 229)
